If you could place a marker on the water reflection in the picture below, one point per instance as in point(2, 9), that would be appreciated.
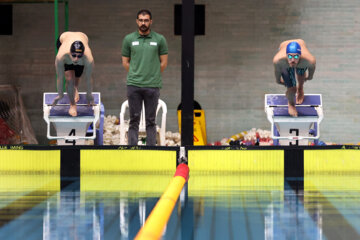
point(209, 207)
point(74, 215)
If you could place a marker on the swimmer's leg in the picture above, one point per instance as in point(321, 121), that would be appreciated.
point(290, 95)
point(77, 97)
point(290, 82)
point(70, 87)
point(300, 89)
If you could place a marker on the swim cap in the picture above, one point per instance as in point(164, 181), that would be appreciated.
point(77, 47)
point(293, 47)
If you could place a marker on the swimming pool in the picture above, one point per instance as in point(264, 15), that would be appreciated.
point(223, 200)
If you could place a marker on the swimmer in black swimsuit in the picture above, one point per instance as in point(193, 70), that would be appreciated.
point(73, 59)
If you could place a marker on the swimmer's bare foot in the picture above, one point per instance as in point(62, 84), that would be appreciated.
point(77, 97)
point(73, 111)
point(292, 110)
point(300, 96)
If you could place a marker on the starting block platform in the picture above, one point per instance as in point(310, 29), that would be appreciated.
point(289, 130)
point(71, 130)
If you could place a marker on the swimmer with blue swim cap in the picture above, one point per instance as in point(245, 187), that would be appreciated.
point(294, 63)
point(293, 47)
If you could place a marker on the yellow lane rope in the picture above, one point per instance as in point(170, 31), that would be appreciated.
point(160, 215)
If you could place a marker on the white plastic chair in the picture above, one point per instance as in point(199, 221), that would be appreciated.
point(142, 125)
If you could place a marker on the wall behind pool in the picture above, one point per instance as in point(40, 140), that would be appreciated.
point(233, 60)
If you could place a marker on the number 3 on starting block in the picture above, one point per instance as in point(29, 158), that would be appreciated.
point(288, 130)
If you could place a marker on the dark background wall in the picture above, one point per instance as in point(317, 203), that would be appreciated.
point(233, 60)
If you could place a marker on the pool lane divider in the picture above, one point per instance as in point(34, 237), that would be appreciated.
point(159, 216)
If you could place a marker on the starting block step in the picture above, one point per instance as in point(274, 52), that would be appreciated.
point(50, 96)
point(62, 107)
point(283, 111)
point(278, 100)
point(289, 130)
point(71, 130)
point(82, 111)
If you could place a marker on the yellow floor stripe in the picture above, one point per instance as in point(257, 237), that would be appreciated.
point(236, 161)
point(39, 161)
point(98, 161)
point(331, 161)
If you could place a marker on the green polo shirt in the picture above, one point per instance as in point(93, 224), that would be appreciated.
point(144, 53)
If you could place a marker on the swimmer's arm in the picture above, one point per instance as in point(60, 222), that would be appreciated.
point(126, 62)
point(60, 70)
point(311, 70)
point(88, 67)
point(278, 75)
point(163, 62)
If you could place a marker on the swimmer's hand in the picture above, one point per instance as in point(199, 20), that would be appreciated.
point(280, 81)
point(60, 96)
point(90, 99)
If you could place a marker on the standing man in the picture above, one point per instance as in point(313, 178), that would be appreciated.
point(74, 57)
point(293, 58)
point(144, 56)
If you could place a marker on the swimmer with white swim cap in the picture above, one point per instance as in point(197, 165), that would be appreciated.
point(73, 58)
point(293, 58)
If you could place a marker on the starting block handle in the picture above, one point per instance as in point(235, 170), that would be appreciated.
point(71, 137)
point(295, 138)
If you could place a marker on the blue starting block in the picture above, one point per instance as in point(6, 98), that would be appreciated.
point(71, 130)
point(289, 130)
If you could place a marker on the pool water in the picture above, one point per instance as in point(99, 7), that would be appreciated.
point(210, 207)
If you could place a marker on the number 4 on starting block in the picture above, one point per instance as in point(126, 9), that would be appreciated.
point(71, 130)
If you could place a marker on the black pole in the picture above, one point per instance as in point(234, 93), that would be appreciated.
point(294, 169)
point(187, 72)
point(70, 169)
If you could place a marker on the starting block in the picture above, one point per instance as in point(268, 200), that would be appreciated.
point(71, 130)
point(288, 130)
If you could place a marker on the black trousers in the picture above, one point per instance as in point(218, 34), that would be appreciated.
point(136, 96)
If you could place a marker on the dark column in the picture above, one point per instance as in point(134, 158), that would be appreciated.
point(70, 169)
point(187, 73)
point(294, 169)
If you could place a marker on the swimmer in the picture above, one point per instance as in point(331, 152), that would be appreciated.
point(74, 57)
point(293, 57)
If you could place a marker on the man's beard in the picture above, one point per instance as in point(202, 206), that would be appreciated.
point(143, 28)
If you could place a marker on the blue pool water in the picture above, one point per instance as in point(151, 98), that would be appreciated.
point(212, 212)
